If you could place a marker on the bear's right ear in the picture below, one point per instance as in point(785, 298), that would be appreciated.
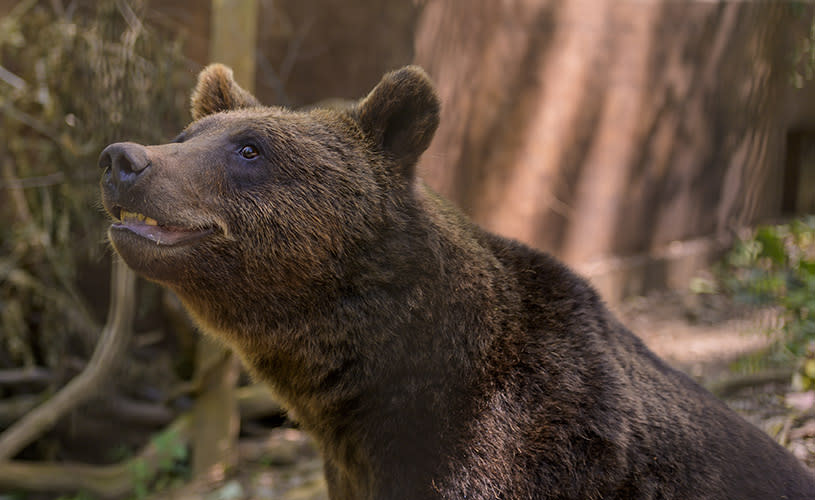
point(401, 115)
point(218, 91)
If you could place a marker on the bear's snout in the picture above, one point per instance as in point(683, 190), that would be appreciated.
point(126, 161)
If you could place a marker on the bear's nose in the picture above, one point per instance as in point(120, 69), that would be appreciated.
point(126, 160)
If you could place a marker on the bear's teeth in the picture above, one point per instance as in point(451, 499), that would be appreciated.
point(126, 216)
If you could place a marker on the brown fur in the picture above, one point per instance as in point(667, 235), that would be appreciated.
point(217, 91)
point(427, 357)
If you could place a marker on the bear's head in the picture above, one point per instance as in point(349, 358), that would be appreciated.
point(249, 200)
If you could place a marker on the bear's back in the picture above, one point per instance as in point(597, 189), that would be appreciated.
point(601, 384)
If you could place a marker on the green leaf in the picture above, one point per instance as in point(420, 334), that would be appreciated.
point(807, 267)
point(772, 245)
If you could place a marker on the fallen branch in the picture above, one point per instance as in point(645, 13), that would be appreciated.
point(34, 375)
point(113, 343)
point(108, 481)
point(729, 386)
point(105, 481)
point(136, 412)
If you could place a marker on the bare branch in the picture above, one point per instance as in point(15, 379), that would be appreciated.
point(12, 79)
point(33, 375)
point(36, 181)
point(115, 339)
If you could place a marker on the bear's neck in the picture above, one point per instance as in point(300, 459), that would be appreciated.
point(385, 362)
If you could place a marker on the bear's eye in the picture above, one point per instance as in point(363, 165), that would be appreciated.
point(249, 152)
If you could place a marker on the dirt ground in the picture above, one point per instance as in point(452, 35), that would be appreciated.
point(699, 334)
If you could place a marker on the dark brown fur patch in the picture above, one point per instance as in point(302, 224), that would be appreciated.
point(401, 115)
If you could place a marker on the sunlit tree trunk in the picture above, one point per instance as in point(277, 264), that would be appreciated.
point(606, 130)
point(216, 417)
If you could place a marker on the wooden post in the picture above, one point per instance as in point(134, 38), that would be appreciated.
point(216, 418)
point(233, 38)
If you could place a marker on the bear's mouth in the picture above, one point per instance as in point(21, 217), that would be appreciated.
point(153, 230)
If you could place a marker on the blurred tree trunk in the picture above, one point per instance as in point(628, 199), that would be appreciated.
point(485, 58)
point(216, 417)
point(603, 130)
point(216, 420)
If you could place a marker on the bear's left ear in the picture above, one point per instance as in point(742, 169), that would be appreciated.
point(218, 91)
point(401, 115)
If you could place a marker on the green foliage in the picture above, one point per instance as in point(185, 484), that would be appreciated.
point(141, 478)
point(13, 496)
point(79, 496)
point(73, 78)
point(803, 55)
point(776, 266)
point(171, 470)
point(172, 450)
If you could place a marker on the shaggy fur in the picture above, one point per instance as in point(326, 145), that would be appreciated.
point(428, 358)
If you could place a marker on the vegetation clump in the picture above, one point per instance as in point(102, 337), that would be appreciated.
point(775, 266)
point(73, 79)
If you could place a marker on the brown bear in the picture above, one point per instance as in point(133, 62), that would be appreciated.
point(428, 358)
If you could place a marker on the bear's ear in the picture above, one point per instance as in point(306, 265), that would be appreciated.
point(401, 115)
point(217, 91)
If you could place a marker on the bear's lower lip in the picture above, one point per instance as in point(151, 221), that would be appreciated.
point(149, 229)
point(159, 235)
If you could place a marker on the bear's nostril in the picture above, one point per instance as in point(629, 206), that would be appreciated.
point(126, 160)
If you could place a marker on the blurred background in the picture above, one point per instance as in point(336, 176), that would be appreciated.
point(665, 150)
